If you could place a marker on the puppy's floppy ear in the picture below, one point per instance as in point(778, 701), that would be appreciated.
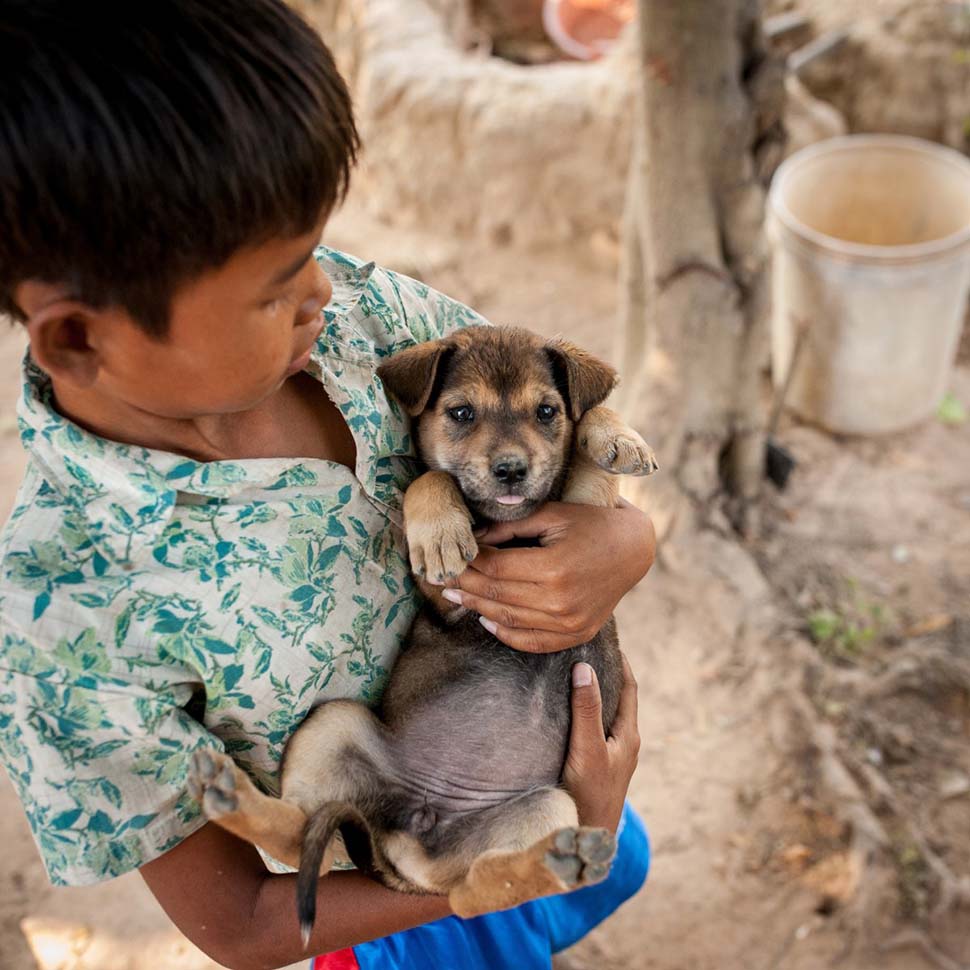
point(411, 374)
point(583, 380)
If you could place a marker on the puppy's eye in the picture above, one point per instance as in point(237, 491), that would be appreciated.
point(546, 412)
point(462, 414)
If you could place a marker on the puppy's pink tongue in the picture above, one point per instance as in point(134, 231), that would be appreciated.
point(509, 499)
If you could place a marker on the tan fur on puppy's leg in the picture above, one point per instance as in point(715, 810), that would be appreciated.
point(565, 860)
point(535, 848)
point(438, 527)
point(605, 439)
point(588, 484)
point(316, 763)
point(233, 802)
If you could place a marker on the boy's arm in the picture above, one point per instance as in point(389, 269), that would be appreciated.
point(215, 888)
point(557, 595)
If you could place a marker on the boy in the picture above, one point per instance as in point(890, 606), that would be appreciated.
point(207, 542)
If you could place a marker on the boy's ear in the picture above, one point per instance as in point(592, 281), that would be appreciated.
point(410, 375)
point(60, 331)
point(583, 380)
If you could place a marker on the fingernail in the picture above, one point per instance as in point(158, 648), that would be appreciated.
point(582, 675)
point(488, 624)
point(452, 595)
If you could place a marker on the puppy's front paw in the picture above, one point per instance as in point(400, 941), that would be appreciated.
point(620, 452)
point(442, 548)
point(212, 782)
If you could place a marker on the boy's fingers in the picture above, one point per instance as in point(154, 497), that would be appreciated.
point(530, 641)
point(510, 592)
point(587, 742)
point(512, 617)
point(531, 527)
point(515, 565)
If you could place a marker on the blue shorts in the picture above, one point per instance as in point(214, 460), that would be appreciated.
point(517, 939)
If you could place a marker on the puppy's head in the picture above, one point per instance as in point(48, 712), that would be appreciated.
point(495, 407)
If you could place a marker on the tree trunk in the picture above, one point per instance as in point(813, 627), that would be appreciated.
point(707, 136)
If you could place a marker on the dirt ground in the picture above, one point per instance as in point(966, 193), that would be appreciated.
point(748, 870)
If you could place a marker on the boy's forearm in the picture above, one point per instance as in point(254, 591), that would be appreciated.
point(351, 909)
point(216, 890)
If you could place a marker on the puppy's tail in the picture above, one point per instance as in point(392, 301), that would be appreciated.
point(317, 836)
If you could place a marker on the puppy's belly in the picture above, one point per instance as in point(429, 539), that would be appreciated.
point(463, 753)
point(474, 723)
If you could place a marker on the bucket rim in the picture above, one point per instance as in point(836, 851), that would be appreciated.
point(868, 252)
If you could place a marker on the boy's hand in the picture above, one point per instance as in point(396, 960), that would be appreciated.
point(598, 769)
point(559, 594)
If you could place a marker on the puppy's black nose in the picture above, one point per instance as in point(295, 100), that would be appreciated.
point(509, 470)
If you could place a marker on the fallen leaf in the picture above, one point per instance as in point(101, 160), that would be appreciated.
point(56, 945)
point(931, 624)
point(796, 857)
point(836, 877)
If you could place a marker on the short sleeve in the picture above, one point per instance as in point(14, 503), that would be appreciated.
point(99, 763)
point(387, 310)
point(426, 313)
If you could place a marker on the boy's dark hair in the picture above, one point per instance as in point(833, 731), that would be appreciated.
point(143, 143)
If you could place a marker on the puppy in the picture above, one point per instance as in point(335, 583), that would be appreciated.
point(454, 786)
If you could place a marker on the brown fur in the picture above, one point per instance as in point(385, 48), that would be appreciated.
point(455, 787)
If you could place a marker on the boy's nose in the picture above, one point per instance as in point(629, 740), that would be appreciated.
point(510, 469)
point(309, 310)
point(320, 297)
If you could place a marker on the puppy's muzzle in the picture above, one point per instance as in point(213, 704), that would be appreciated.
point(510, 469)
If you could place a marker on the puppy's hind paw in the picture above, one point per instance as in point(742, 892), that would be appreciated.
point(212, 782)
point(580, 856)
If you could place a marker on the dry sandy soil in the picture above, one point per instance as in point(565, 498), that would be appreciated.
point(747, 866)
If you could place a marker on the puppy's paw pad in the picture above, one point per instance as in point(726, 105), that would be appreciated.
point(566, 867)
point(596, 846)
point(212, 781)
point(580, 856)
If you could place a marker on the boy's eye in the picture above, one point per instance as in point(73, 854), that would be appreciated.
point(277, 301)
point(546, 412)
point(462, 414)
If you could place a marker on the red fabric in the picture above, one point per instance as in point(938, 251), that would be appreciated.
point(338, 960)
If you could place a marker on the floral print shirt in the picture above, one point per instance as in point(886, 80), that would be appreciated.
point(151, 604)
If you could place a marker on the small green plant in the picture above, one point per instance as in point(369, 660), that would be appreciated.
point(951, 410)
point(915, 880)
point(846, 629)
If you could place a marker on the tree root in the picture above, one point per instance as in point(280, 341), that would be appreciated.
point(920, 941)
point(858, 793)
point(954, 891)
point(916, 669)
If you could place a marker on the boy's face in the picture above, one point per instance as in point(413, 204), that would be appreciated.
point(235, 335)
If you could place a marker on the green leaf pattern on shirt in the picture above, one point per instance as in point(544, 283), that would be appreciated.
point(151, 604)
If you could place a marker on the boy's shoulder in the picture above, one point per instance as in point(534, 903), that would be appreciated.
point(86, 498)
point(376, 310)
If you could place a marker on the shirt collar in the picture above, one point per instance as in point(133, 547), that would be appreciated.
point(126, 493)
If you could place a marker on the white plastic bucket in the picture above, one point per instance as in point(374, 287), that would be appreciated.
point(871, 256)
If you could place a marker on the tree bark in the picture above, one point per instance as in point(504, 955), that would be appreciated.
point(707, 136)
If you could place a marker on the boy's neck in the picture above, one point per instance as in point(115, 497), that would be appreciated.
point(297, 420)
point(241, 434)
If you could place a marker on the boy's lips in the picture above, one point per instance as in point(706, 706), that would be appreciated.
point(300, 363)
